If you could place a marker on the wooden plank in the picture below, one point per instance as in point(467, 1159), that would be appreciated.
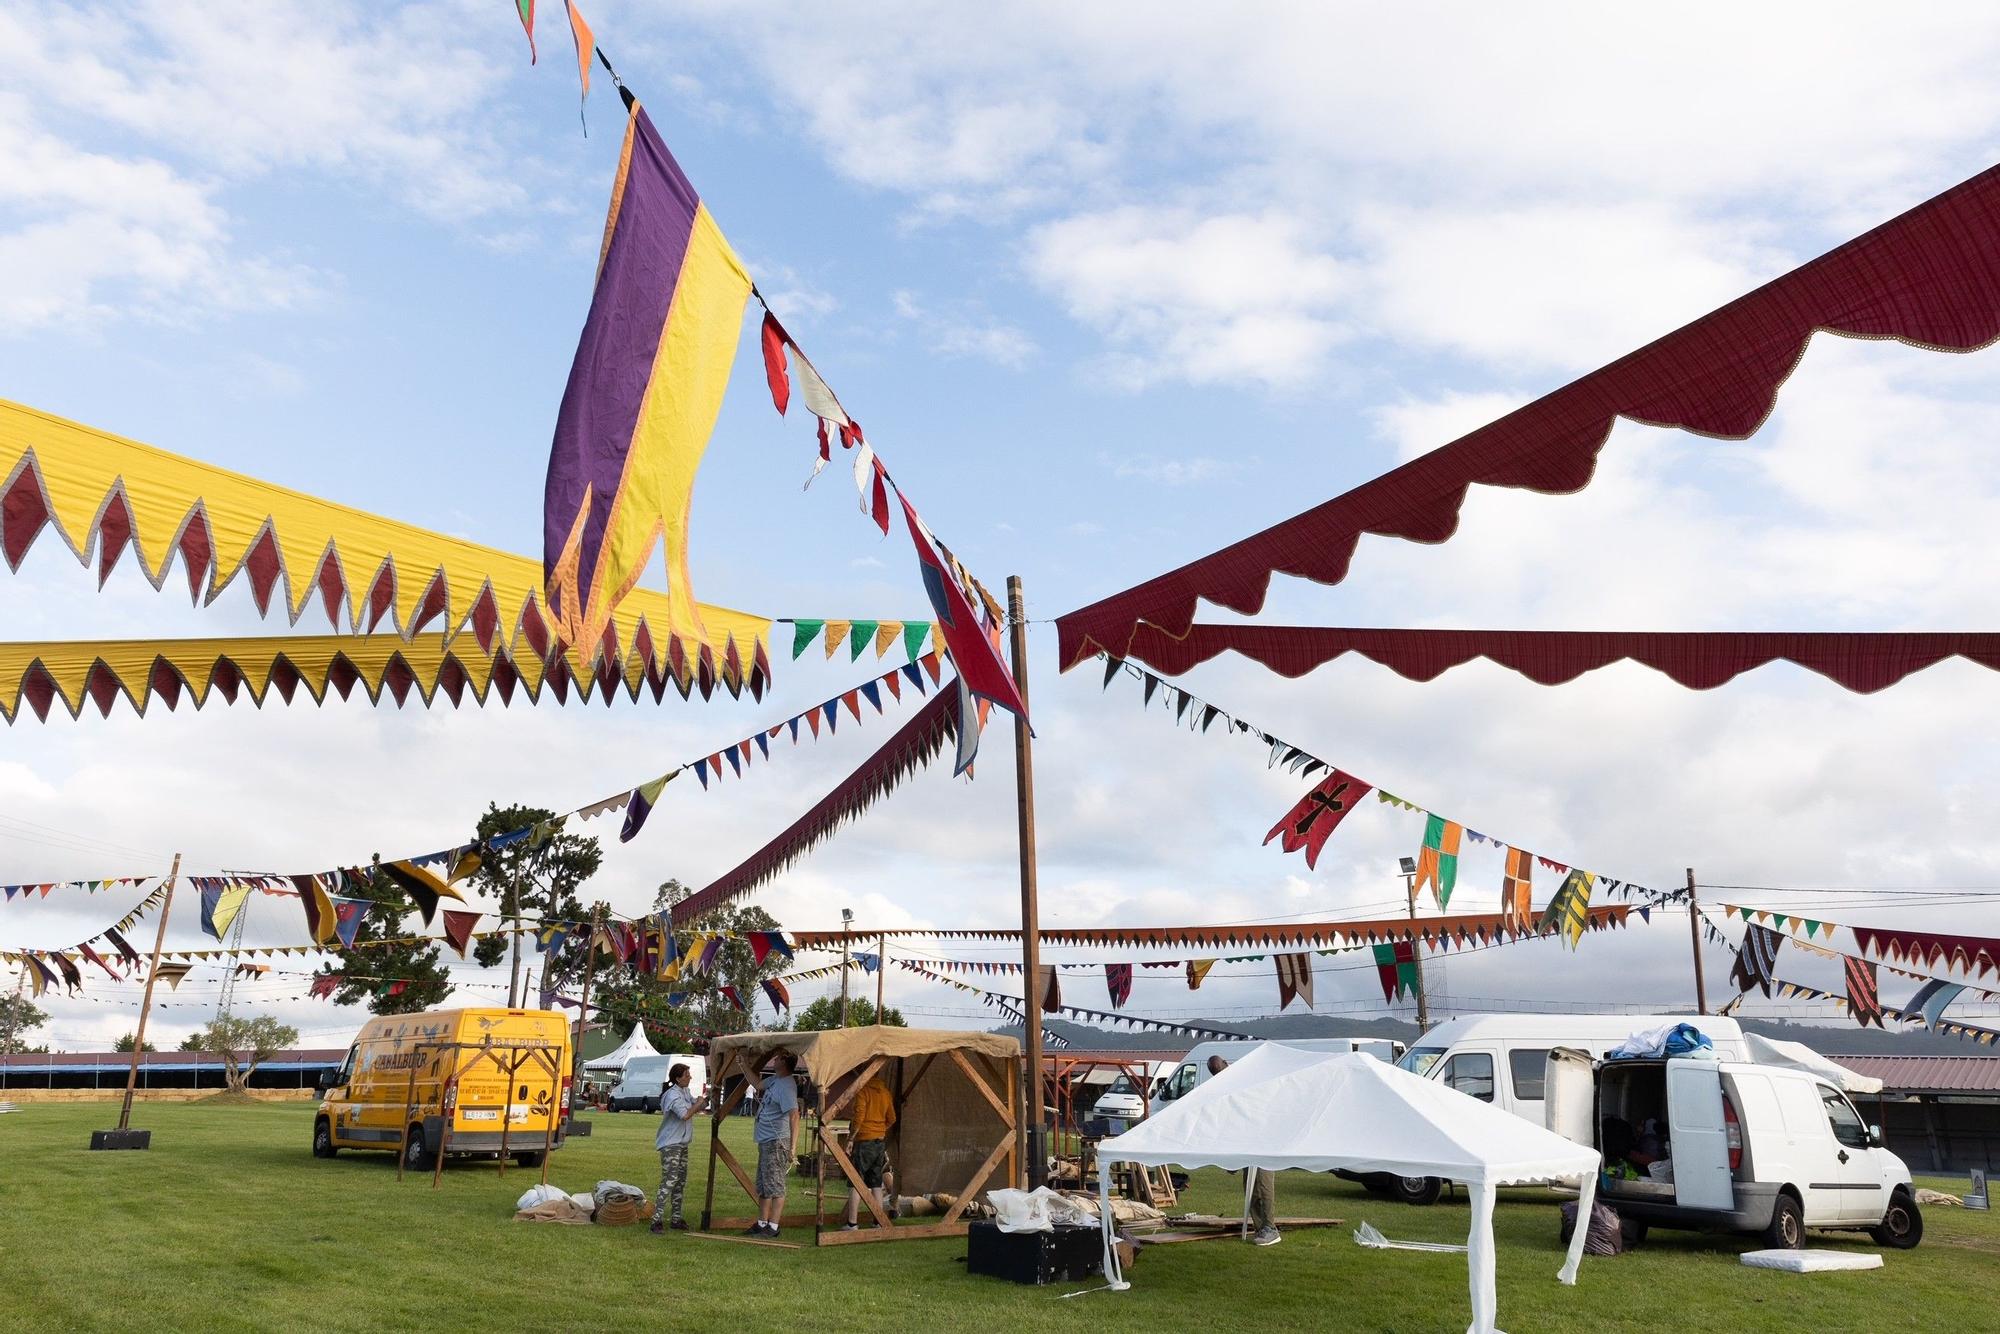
point(965, 1196)
point(772, 1242)
point(916, 1232)
point(854, 1085)
point(853, 1175)
point(721, 1150)
point(979, 1082)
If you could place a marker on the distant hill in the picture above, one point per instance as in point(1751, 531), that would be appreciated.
point(1828, 1039)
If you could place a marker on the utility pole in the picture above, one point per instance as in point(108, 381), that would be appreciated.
point(1416, 946)
point(124, 1137)
point(583, 1007)
point(1694, 936)
point(846, 955)
point(514, 996)
point(1036, 1157)
point(881, 974)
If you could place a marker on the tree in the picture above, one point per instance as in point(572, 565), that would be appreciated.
point(531, 882)
point(19, 1017)
point(245, 1044)
point(192, 1042)
point(125, 1043)
point(371, 971)
point(825, 1013)
point(622, 994)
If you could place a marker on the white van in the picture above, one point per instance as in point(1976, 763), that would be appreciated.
point(1734, 1145)
point(1192, 1072)
point(640, 1088)
point(1498, 1058)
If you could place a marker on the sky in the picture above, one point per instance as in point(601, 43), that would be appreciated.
point(1110, 286)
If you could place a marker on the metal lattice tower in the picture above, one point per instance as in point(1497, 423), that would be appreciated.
point(235, 955)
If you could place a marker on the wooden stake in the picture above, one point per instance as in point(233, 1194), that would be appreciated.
point(146, 1001)
point(1694, 936)
point(1035, 1159)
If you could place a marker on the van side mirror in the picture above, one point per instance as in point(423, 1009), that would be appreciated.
point(327, 1078)
point(1875, 1140)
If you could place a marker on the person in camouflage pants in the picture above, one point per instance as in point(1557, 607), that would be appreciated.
point(677, 1110)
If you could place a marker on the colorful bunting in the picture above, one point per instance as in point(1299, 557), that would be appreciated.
point(1396, 969)
point(172, 973)
point(1437, 860)
point(1569, 911)
point(640, 805)
point(1864, 1003)
point(458, 929)
point(974, 655)
point(1312, 821)
point(1757, 959)
point(1197, 969)
point(1517, 886)
point(781, 997)
point(1118, 982)
point(1295, 979)
point(1931, 1000)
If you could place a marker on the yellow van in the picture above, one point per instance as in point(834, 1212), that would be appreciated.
point(399, 1076)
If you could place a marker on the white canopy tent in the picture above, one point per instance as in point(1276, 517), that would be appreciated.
point(1777, 1051)
point(1280, 1107)
point(614, 1062)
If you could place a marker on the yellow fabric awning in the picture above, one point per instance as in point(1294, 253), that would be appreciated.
point(41, 675)
point(106, 495)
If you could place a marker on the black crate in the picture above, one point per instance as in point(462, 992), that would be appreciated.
point(1063, 1255)
point(121, 1139)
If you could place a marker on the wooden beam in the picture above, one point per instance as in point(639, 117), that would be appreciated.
point(979, 1082)
point(854, 1085)
point(917, 1232)
point(853, 1176)
point(979, 1177)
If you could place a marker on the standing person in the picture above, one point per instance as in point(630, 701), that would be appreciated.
point(777, 1136)
point(874, 1112)
point(677, 1112)
point(1263, 1194)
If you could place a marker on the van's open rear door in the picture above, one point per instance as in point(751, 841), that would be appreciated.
point(1569, 1093)
point(1695, 1128)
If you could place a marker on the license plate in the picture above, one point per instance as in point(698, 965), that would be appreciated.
point(480, 1114)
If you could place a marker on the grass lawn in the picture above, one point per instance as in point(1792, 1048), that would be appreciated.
point(230, 1223)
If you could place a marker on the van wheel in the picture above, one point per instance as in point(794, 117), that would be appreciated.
point(1902, 1227)
point(416, 1154)
point(323, 1145)
point(651, 1107)
point(532, 1158)
point(1415, 1190)
point(1787, 1231)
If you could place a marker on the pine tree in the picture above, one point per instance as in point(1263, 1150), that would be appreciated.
point(371, 970)
point(538, 883)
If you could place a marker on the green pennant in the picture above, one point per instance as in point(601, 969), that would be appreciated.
point(1745, 912)
point(1810, 926)
point(913, 637)
point(803, 634)
point(861, 637)
point(1779, 919)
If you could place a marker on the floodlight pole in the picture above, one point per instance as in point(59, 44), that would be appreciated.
point(1694, 937)
point(146, 1000)
point(881, 975)
point(1417, 953)
point(846, 954)
point(1035, 1160)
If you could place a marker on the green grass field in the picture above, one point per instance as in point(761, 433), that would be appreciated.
point(229, 1223)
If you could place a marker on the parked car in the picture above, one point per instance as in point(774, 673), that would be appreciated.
point(1121, 1102)
point(1732, 1145)
point(1192, 1072)
point(390, 1091)
point(644, 1082)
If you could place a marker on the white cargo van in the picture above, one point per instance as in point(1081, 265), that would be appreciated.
point(644, 1082)
point(1192, 1072)
point(1770, 1149)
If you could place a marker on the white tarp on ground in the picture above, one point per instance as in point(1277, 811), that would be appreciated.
point(1776, 1051)
point(614, 1062)
point(1280, 1107)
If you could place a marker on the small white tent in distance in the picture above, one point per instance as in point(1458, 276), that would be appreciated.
point(1280, 1107)
point(614, 1062)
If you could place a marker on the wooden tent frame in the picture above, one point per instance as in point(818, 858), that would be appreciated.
point(902, 1083)
point(519, 1052)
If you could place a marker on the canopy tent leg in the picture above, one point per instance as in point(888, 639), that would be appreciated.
point(1113, 1276)
point(1479, 1257)
point(1249, 1190)
point(1585, 1199)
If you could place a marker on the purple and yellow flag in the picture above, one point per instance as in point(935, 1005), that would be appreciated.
point(643, 395)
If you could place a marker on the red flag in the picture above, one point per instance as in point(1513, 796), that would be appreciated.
point(958, 625)
point(729, 994)
point(1309, 824)
point(894, 681)
point(323, 985)
point(458, 929)
point(852, 699)
point(775, 374)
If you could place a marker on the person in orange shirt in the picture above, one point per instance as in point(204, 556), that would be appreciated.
point(873, 1112)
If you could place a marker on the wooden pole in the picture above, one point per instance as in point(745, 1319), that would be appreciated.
point(514, 969)
point(583, 1001)
point(1694, 937)
point(146, 1001)
point(1036, 1156)
point(881, 974)
point(846, 955)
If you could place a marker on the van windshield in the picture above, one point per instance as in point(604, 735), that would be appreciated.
point(1419, 1060)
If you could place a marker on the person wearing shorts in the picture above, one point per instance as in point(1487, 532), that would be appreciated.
point(873, 1113)
point(777, 1136)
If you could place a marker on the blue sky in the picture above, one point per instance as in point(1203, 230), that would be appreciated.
point(1109, 286)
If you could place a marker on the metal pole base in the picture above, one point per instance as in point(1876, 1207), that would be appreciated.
point(121, 1139)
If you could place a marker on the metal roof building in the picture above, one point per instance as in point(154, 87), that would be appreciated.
point(296, 1068)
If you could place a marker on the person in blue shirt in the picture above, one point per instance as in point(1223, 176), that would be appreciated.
point(677, 1112)
point(777, 1136)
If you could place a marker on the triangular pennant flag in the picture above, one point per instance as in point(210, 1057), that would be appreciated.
point(836, 635)
point(423, 888)
point(1568, 913)
point(894, 680)
point(735, 761)
point(1197, 969)
point(863, 634)
point(318, 905)
point(873, 694)
point(803, 634)
point(347, 916)
point(780, 996)
point(1118, 983)
point(1863, 1001)
point(172, 973)
point(644, 798)
point(458, 929)
point(914, 634)
point(1051, 986)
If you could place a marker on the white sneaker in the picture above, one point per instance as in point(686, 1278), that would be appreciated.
point(1268, 1236)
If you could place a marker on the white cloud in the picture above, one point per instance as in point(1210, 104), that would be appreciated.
point(1169, 472)
point(1231, 299)
point(966, 332)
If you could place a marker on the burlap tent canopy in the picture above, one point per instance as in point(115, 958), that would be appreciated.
point(955, 1095)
